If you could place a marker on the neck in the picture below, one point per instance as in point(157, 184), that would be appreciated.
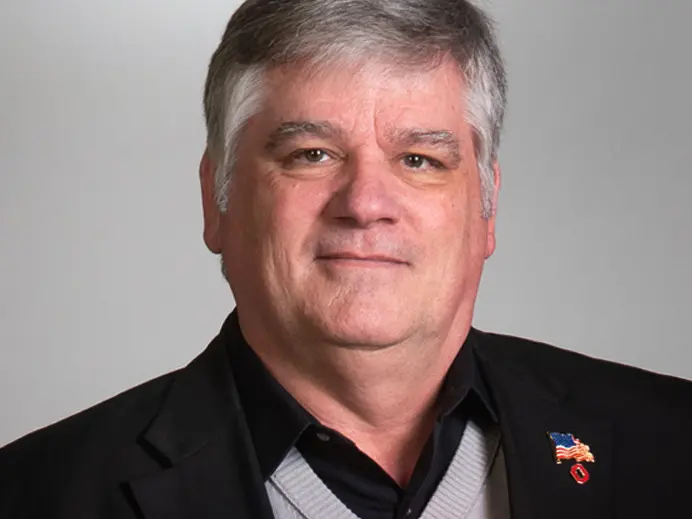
point(382, 400)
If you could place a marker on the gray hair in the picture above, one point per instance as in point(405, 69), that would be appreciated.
point(263, 34)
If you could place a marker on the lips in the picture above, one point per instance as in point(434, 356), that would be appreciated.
point(355, 256)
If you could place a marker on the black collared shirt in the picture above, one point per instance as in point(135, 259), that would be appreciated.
point(277, 422)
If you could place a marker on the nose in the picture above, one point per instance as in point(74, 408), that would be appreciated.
point(366, 195)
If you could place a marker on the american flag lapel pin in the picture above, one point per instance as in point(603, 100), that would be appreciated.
point(567, 447)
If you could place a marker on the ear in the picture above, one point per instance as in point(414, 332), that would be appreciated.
point(212, 214)
point(490, 243)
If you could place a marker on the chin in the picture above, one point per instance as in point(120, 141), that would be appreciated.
point(365, 329)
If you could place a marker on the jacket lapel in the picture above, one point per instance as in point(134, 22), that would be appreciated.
point(209, 469)
point(529, 405)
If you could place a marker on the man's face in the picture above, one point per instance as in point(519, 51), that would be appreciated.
point(354, 213)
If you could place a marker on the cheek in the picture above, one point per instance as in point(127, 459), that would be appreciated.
point(246, 219)
point(289, 212)
point(448, 213)
point(455, 230)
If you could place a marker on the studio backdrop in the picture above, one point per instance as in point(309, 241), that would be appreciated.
point(104, 278)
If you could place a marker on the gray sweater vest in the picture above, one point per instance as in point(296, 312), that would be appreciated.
point(474, 486)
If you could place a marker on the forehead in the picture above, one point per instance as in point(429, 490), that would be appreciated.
point(366, 95)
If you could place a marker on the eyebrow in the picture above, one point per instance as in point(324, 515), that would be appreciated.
point(443, 140)
point(292, 129)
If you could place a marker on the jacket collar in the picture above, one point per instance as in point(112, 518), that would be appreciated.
point(530, 404)
point(209, 470)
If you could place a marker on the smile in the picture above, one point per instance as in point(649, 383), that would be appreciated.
point(355, 260)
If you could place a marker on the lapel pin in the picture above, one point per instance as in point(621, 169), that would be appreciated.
point(567, 447)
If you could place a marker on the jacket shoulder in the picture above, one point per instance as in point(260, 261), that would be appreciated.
point(72, 429)
point(604, 383)
point(103, 435)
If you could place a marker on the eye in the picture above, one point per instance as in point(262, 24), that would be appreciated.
point(415, 161)
point(312, 155)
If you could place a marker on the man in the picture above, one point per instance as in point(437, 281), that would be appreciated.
point(350, 185)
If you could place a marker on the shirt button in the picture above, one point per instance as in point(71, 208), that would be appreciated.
point(408, 512)
point(323, 436)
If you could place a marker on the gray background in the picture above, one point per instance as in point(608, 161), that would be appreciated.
point(104, 279)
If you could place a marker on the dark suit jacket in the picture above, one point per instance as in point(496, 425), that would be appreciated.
point(178, 446)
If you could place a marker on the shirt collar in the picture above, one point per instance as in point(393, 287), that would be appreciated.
point(464, 378)
point(276, 420)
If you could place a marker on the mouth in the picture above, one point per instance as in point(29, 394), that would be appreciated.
point(354, 259)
